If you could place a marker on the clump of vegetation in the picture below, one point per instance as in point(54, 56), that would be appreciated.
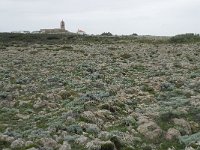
point(52, 38)
point(4, 144)
point(107, 146)
point(167, 116)
point(185, 38)
point(117, 142)
point(106, 34)
point(125, 56)
point(147, 88)
point(175, 143)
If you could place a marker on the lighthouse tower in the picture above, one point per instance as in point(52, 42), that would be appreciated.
point(62, 25)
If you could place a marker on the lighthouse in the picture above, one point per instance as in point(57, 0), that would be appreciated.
point(62, 25)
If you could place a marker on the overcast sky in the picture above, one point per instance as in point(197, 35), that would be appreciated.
point(147, 17)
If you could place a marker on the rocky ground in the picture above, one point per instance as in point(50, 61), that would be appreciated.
point(116, 95)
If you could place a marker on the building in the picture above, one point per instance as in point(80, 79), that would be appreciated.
point(80, 32)
point(62, 25)
point(60, 30)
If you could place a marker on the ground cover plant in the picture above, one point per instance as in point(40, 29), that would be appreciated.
point(101, 92)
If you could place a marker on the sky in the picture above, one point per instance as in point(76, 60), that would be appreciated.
point(122, 17)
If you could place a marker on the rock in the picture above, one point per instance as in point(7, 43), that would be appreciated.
point(65, 146)
point(57, 138)
point(104, 135)
point(172, 134)
point(21, 116)
point(124, 137)
point(82, 140)
point(94, 144)
point(194, 126)
point(88, 115)
point(171, 148)
point(39, 104)
point(142, 120)
point(49, 143)
point(53, 97)
point(6, 138)
point(105, 114)
point(189, 148)
point(91, 128)
point(71, 119)
point(19, 143)
point(185, 127)
point(150, 130)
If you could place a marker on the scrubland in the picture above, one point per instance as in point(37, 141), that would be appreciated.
point(69, 92)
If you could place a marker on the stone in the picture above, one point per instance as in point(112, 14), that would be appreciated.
point(104, 135)
point(104, 114)
point(172, 134)
point(189, 148)
point(49, 143)
point(91, 128)
point(184, 125)
point(65, 146)
point(142, 120)
point(150, 130)
point(171, 148)
point(194, 126)
point(19, 143)
point(88, 115)
point(124, 137)
point(94, 144)
point(82, 140)
point(6, 138)
point(21, 116)
point(39, 104)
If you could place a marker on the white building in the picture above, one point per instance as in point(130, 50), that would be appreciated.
point(80, 32)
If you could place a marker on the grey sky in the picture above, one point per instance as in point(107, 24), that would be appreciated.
point(155, 17)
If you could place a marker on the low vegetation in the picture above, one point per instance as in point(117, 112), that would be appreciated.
point(99, 92)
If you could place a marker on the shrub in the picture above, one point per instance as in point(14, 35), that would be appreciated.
point(147, 148)
point(106, 34)
point(166, 87)
point(167, 116)
point(134, 34)
point(125, 56)
point(75, 129)
point(185, 38)
point(52, 38)
point(107, 146)
point(147, 88)
point(117, 142)
point(4, 144)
